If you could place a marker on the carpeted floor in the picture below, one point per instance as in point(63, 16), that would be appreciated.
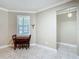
point(34, 52)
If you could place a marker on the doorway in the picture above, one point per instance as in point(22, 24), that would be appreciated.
point(67, 31)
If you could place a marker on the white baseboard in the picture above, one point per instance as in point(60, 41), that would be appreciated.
point(4, 46)
point(42, 46)
point(67, 44)
point(46, 47)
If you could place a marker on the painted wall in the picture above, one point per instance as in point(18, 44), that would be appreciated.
point(13, 24)
point(3, 28)
point(78, 30)
point(67, 28)
point(44, 34)
point(46, 25)
point(46, 28)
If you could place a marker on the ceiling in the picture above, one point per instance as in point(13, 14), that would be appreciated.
point(30, 5)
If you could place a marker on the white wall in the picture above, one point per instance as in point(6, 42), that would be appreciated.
point(13, 25)
point(46, 28)
point(8, 26)
point(3, 28)
point(78, 30)
point(46, 25)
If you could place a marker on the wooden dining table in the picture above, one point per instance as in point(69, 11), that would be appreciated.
point(21, 41)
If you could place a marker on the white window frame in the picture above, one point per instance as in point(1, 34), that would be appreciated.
point(18, 26)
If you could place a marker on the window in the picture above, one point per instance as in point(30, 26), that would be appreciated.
point(23, 25)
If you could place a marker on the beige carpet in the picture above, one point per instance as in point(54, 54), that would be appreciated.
point(33, 52)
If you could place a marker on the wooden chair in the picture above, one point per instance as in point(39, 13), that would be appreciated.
point(21, 41)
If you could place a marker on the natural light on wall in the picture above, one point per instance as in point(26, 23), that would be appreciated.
point(23, 25)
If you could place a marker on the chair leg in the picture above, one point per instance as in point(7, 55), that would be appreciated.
point(15, 45)
point(28, 45)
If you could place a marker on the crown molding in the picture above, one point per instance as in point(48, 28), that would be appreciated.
point(4, 9)
point(22, 11)
point(7, 10)
point(40, 10)
point(52, 6)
